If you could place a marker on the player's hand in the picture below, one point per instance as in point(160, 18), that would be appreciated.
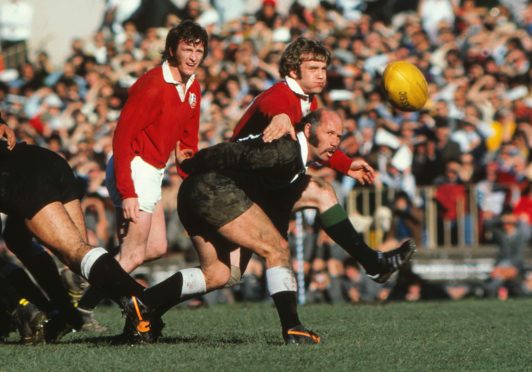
point(183, 154)
point(279, 127)
point(362, 172)
point(131, 210)
point(9, 135)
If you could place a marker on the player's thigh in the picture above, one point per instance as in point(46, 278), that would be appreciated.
point(254, 230)
point(55, 229)
point(316, 193)
point(134, 235)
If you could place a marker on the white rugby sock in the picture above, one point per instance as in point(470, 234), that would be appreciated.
point(89, 259)
point(280, 279)
point(193, 282)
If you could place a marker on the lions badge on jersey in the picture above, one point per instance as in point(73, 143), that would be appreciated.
point(192, 100)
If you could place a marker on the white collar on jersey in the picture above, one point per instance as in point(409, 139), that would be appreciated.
point(303, 143)
point(167, 75)
point(294, 86)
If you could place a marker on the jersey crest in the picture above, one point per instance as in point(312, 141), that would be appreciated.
point(192, 101)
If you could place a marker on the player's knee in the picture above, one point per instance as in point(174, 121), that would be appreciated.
point(73, 256)
point(320, 193)
point(327, 194)
point(216, 276)
point(278, 255)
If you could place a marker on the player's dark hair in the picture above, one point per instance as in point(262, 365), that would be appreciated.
point(299, 51)
point(187, 31)
point(313, 118)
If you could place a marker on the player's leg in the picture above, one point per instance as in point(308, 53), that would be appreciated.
point(53, 226)
point(253, 230)
point(42, 267)
point(17, 312)
point(214, 272)
point(335, 222)
point(186, 283)
point(133, 239)
point(146, 238)
point(16, 277)
point(129, 256)
point(214, 200)
point(140, 241)
point(75, 282)
point(157, 244)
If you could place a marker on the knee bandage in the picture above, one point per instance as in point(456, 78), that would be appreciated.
point(236, 275)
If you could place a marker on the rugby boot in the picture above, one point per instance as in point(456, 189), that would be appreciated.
point(141, 326)
point(29, 321)
point(300, 335)
point(390, 262)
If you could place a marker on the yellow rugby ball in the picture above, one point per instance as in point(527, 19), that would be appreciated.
point(405, 86)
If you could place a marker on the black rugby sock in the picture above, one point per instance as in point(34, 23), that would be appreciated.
point(90, 299)
point(108, 277)
point(165, 295)
point(336, 224)
point(286, 304)
point(43, 268)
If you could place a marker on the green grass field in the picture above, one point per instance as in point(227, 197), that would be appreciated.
point(454, 336)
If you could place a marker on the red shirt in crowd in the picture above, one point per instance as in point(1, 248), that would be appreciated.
point(284, 97)
point(158, 113)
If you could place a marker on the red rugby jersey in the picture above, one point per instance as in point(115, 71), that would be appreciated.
point(152, 121)
point(276, 100)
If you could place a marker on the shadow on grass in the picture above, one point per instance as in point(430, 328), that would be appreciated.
point(205, 340)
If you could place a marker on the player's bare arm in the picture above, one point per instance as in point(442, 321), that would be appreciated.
point(361, 171)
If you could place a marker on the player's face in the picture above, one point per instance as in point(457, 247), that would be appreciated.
point(187, 58)
point(312, 77)
point(328, 135)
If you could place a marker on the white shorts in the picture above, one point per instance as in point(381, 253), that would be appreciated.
point(147, 181)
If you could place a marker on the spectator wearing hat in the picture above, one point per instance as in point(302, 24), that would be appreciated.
point(268, 14)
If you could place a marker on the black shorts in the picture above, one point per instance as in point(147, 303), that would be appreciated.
point(211, 200)
point(208, 201)
point(32, 177)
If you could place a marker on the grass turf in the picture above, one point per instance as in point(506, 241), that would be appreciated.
point(462, 335)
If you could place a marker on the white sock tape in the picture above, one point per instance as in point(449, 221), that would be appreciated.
point(193, 282)
point(89, 259)
point(280, 279)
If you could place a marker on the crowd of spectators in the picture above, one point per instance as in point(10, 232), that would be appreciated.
point(474, 133)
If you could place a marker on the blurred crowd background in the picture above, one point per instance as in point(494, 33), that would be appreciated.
point(455, 175)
